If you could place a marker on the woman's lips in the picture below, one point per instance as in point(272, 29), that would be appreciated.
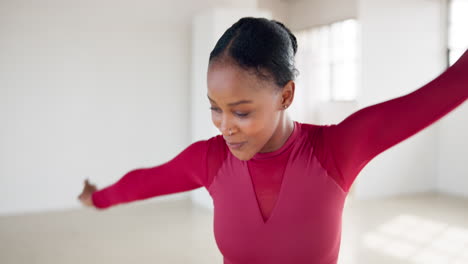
point(235, 145)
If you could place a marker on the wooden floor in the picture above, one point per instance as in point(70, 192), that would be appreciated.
point(423, 228)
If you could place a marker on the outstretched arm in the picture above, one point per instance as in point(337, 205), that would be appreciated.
point(366, 133)
point(187, 171)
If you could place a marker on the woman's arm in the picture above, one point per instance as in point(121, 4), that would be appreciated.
point(368, 132)
point(187, 171)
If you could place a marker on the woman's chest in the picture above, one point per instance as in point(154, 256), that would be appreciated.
point(304, 222)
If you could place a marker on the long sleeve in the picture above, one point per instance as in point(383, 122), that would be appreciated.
point(352, 143)
point(187, 171)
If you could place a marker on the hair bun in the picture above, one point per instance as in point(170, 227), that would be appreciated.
point(291, 36)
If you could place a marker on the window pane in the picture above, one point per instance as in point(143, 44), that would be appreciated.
point(344, 56)
point(313, 60)
point(327, 61)
point(458, 26)
point(344, 82)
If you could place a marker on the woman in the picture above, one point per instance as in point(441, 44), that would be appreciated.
point(279, 186)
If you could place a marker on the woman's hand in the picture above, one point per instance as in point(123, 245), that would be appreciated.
point(85, 196)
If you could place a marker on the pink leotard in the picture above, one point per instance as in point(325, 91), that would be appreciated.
point(286, 206)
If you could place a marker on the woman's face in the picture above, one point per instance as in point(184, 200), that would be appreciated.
point(249, 106)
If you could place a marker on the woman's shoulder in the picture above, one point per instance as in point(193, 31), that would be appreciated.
point(312, 126)
point(216, 153)
point(214, 141)
point(313, 131)
point(214, 146)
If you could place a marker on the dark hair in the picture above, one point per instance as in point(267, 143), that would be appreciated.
point(265, 46)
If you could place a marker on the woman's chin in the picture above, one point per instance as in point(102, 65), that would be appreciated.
point(241, 155)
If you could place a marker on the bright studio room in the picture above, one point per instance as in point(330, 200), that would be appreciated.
point(100, 99)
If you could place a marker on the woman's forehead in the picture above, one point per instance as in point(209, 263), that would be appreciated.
point(233, 83)
point(233, 102)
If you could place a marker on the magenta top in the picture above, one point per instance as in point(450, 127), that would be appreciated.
point(285, 206)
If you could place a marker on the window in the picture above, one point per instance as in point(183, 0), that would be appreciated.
point(328, 62)
point(457, 28)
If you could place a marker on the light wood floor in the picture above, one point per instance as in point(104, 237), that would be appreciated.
point(423, 228)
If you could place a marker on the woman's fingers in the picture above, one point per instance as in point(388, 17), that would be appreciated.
point(86, 194)
point(89, 186)
point(86, 200)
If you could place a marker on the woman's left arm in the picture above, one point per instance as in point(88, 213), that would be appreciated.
point(368, 132)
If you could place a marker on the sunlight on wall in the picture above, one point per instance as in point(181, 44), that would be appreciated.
point(420, 241)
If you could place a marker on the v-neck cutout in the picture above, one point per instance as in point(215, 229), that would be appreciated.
point(269, 155)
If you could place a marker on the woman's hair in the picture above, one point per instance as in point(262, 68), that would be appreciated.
point(265, 46)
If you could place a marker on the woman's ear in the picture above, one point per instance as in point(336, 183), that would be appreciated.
point(287, 94)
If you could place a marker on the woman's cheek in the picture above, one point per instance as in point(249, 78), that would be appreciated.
point(215, 119)
point(251, 126)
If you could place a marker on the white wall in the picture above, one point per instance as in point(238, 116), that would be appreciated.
point(307, 13)
point(452, 157)
point(402, 49)
point(90, 89)
point(452, 177)
point(279, 9)
point(97, 88)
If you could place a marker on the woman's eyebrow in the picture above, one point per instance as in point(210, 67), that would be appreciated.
point(235, 103)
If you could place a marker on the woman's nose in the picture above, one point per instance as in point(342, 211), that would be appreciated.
point(226, 124)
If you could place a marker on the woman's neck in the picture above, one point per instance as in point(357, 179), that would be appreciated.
point(281, 135)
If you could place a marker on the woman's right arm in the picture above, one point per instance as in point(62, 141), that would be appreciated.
point(187, 171)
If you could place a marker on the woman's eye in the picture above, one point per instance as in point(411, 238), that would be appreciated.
point(239, 114)
point(242, 114)
point(215, 109)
